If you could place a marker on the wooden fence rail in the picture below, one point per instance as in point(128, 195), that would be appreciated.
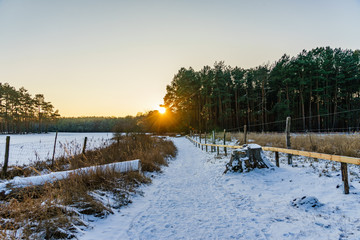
point(324, 156)
point(342, 159)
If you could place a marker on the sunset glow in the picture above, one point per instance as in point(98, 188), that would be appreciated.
point(162, 110)
point(94, 59)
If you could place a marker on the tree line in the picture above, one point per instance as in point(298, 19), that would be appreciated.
point(22, 113)
point(151, 121)
point(319, 89)
point(94, 124)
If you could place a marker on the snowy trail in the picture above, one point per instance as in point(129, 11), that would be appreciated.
point(185, 199)
point(192, 199)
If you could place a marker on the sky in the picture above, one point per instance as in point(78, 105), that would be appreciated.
point(115, 58)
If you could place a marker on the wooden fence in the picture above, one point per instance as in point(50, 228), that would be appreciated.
point(342, 159)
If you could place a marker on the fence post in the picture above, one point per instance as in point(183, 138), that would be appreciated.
point(195, 136)
point(277, 159)
point(6, 160)
point(205, 141)
point(213, 140)
point(202, 147)
point(195, 140)
point(53, 156)
point(288, 143)
point(344, 175)
point(199, 139)
point(84, 147)
point(225, 142)
point(245, 134)
point(218, 152)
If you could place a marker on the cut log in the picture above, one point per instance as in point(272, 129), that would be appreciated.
point(127, 166)
point(248, 158)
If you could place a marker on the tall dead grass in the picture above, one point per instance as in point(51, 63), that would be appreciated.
point(152, 151)
point(57, 210)
point(337, 144)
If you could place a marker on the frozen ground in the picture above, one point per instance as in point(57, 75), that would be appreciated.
point(28, 148)
point(193, 199)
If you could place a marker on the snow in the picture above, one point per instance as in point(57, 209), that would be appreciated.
point(28, 148)
point(193, 199)
point(253, 146)
point(127, 166)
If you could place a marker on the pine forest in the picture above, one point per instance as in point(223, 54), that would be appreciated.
point(319, 89)
point(22, 113)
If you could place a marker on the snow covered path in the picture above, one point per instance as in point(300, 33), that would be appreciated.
point(192, 199)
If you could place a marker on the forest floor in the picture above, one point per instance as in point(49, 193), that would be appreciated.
point(193, 199)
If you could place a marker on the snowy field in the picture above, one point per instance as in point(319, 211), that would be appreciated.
point(193, 199)
point(28, 148)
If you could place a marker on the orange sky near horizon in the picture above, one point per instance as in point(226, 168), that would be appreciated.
point(115, 58)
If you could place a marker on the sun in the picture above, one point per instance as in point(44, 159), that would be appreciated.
point(162, 110)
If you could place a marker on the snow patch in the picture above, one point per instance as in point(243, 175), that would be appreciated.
point(306, 203)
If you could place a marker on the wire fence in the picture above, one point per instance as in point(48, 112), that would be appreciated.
point(29, 148)
point(342, 160)
point(321, 123)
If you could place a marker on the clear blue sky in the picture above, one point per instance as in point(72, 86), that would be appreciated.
point(115, 58)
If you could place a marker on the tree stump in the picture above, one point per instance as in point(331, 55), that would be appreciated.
point(248, 158)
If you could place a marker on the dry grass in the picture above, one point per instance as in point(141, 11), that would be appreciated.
point(151, 150)
point(57, 210)
point(345, 145)
point(337, 144)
